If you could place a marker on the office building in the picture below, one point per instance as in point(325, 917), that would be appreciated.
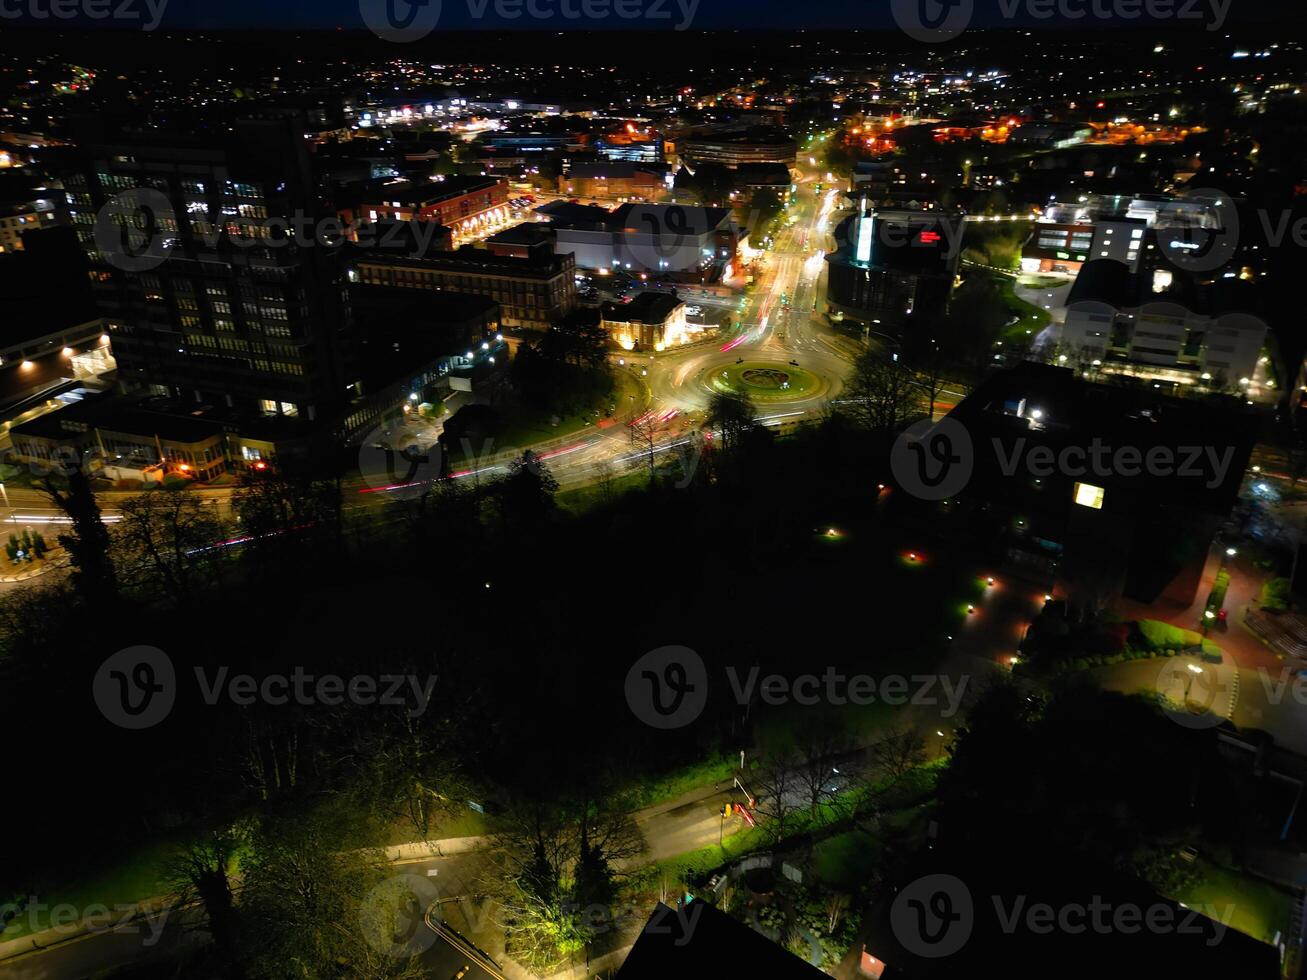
point(615, 181)
point(650, 321)
point(1164, 326)
point(690, 244)
point(463, 204)
point(225, 302)
point(739, 146)
point(532, 292)
point(892, 267)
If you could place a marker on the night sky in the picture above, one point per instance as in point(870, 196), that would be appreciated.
point(703, 14)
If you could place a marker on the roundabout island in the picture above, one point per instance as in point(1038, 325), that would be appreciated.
point(764, 381)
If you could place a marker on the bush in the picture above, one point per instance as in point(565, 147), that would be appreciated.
point(1158, 636)
point(1276, 595)
point(1216, 599)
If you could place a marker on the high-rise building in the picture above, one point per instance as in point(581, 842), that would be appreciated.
point(893, 266)
point(210, 266)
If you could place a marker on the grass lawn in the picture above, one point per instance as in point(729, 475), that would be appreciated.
point(464, 823)
point(647, 792)
point(578, 500)
point(846, 860)
point(1251, 905)
point(123, 877)
point(1031, 317)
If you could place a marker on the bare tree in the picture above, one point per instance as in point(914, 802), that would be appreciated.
point(780, 795)
point(166, 541)
point(645, 431)
point(901, 750)
point(819, 779)
point(732, 414)
point(882, 394)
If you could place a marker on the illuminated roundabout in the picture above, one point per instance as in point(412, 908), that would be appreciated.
point(764, 381)
point(688, 380)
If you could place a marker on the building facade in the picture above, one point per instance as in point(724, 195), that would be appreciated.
point(213, 302)
point(532, 292)
point(463, 204)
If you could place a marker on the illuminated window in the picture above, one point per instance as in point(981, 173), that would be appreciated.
point(1088, 495)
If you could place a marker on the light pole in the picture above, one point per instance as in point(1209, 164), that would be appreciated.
point(1189, 679)
point(8, 506)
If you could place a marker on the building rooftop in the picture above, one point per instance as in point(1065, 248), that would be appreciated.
point(649, 306)
point(471, 259)
point(699, 940)
point(116, 414)
point(425, 193)
point(1111, 282)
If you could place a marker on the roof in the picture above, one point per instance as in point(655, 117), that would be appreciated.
point(712, 218)
point(1110, 281)
point(763, 173)
point(649, 306)
point(430, 192)
point(574, 215)
point(698, 940)
point(115, 414)
point(1077, 414)
point(614, 170)
point(473, 260)
point(527, 233)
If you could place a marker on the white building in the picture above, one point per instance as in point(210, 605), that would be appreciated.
point(1157, 327)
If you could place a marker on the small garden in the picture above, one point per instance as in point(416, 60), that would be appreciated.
point(25, 548)
point(1054, 645)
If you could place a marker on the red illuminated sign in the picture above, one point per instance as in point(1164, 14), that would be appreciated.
point(929, 237)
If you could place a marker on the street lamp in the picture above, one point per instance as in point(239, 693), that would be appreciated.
point(1189, 677)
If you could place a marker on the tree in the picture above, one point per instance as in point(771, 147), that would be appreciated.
point(201, 871)
point(579, 339)
point(645, 431)
point(819, 779)
point(315, 904)
point(901, 750)
point(555, 876)
point(526, 494)
point(882, 394)
point(285, 507)
point(165, 541)
point(88, 546)
point(779, 794)
point(732, 414)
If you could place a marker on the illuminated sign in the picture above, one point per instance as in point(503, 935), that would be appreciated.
point(1088, 495)
point(929, 237)
point(866, 227)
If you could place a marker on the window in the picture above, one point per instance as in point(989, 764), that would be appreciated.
point(1088, 495)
